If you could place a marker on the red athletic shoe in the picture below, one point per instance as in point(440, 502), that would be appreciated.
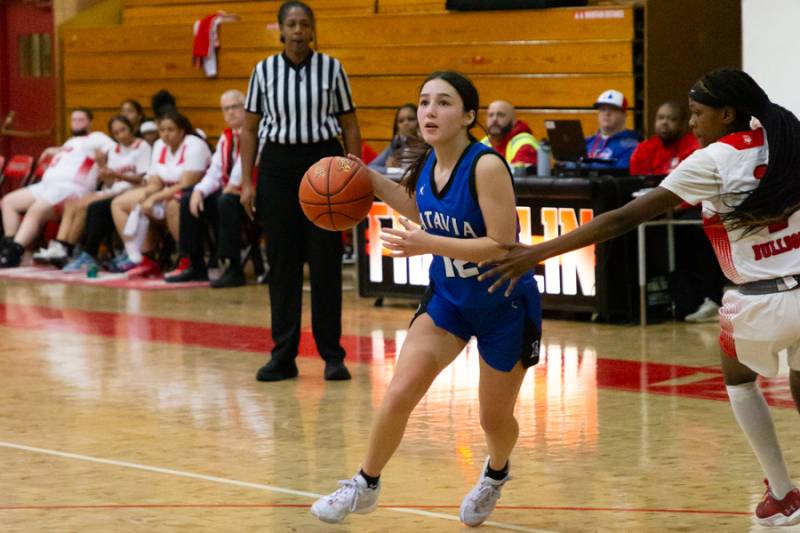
point(774, 512)
point(183, 264)
point(146, 269)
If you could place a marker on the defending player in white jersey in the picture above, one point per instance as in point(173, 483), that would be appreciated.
point(72, 174)
point(747, 181)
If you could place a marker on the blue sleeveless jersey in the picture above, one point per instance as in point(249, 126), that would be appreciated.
point(454, 212)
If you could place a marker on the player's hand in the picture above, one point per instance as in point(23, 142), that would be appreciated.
point(196, 203)
point(412, 240)
point(353, 157)
point(106, 176)
point(373, 174)
point(232, 189)
point(519, 259)
point(248, 198)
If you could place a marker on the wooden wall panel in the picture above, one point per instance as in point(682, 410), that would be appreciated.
point(547, 58)
point(411, 6)
point(521, 90)
point(368, 91)
point(450, 28)
point(550, 65)
point(253, 11)
point(376, 124)
point(317, 5)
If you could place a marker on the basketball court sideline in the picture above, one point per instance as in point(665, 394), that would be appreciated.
point(128, 411)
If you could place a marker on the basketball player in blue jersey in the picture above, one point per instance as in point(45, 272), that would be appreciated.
point(461, 194)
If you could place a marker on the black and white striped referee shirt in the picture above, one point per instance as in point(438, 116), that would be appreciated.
point(299, 103)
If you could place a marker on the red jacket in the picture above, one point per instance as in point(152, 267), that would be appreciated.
point(654, 157)
point(523, 151)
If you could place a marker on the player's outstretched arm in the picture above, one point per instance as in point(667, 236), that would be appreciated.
point(520, 257)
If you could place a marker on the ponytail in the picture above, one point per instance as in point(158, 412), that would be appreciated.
point(777, 195)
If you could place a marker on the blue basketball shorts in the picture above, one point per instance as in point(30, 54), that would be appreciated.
point(505, 333)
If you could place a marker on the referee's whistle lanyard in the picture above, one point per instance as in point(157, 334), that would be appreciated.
point(595, 150)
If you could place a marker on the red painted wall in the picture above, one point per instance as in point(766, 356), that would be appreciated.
point(33, 99)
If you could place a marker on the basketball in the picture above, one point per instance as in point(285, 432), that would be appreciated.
point(336, 193)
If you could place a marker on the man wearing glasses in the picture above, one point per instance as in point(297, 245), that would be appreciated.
point(215, 201)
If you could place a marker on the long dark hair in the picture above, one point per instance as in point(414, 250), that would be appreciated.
point(469, 96)
point(135, 104)
point(777, 195)
point(119, 118)
point(183, 123)
point(162, 102)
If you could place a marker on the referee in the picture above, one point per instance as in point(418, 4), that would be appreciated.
point(302, 100)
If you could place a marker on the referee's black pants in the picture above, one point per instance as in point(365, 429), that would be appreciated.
point(292, 240)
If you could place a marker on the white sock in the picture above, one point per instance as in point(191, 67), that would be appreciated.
point(752, 413)
point(133, 246)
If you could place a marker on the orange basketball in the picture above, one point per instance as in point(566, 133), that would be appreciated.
point(336, 193)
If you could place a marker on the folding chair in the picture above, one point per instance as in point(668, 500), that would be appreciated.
point(15, 174)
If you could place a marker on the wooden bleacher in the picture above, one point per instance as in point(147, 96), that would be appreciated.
point(549, 63)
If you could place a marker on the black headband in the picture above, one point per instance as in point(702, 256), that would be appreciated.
point(700, 95)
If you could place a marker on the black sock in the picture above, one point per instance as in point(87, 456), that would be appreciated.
point(69, 246)
point(233, 264)
point(497, 475)
point(372, 482)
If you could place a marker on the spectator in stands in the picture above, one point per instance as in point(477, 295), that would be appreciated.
point(671, 144)
point(179, 160)
point(511, 138)
point(298, 133)
point(404, 144)
point(120, 169)
point(613, 144)
point(162, 102)
point(149, 132)
point(72, 174)
point(697, 283)
point(215, 200)
point(132, 110)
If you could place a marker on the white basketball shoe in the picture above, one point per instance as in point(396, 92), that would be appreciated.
point(479, 502)
point(354, 496)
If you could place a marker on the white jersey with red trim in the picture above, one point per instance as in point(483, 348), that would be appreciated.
point(193, 155)
point(133, 159)
point(223, 171)
point(735, 164)
point(75, 161)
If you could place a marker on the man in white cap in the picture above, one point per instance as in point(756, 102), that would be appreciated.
point(613, 144)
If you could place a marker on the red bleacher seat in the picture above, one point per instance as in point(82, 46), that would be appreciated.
point(2, 163)
point(16, 173)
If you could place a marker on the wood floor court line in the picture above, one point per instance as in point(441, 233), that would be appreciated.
point(101, 506)
point(244, 484)
point(666, 379)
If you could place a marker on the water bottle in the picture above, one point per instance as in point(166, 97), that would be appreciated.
point(543, 159)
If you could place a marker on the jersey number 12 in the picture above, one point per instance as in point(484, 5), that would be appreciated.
point(451, 266)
